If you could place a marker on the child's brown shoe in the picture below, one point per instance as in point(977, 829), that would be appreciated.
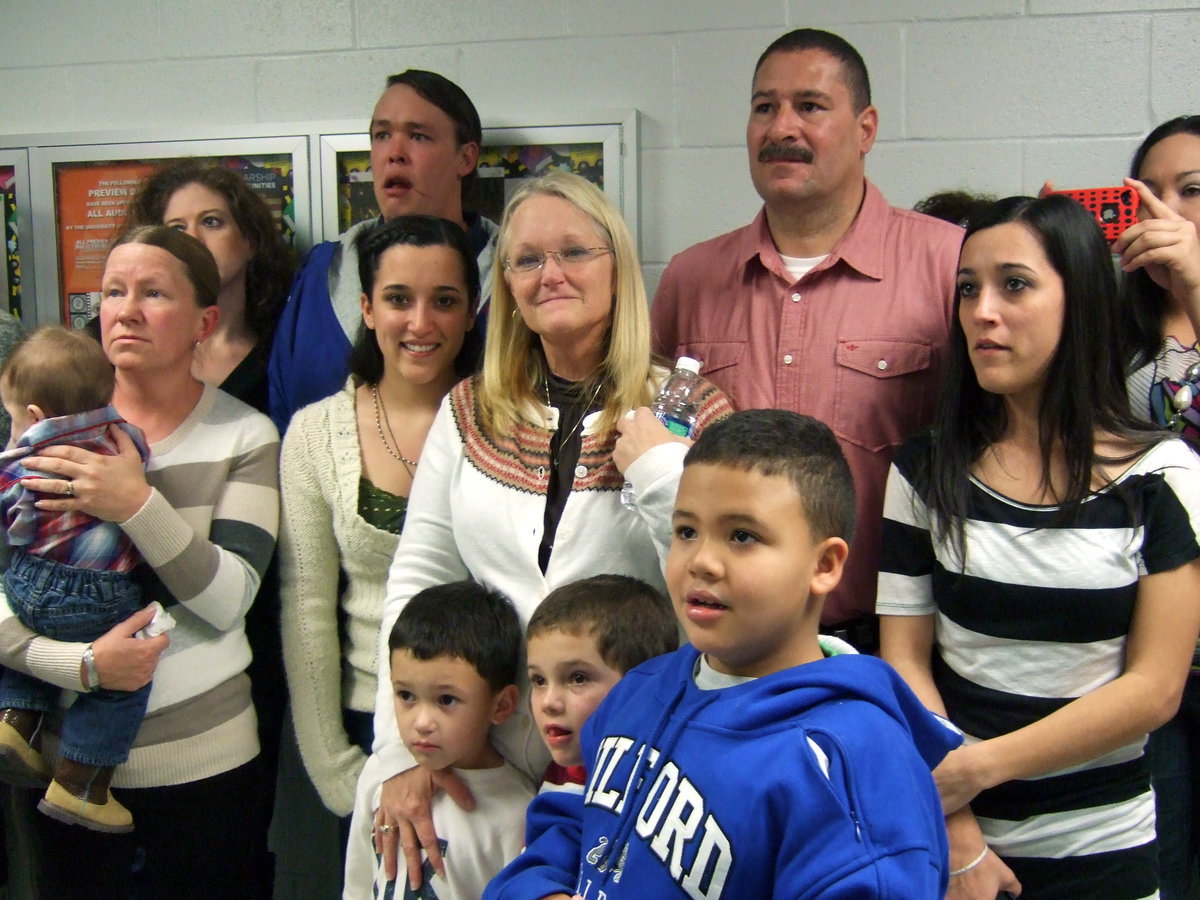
point(21, 763)
point(79, 795)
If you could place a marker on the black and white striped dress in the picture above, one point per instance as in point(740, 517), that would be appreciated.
point(1038, 616)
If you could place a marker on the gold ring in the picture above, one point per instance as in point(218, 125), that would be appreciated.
point(386, 829)
point(70, 489)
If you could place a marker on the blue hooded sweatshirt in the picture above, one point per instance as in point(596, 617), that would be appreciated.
point(722, 795)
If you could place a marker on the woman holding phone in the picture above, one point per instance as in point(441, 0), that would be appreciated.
point(1161, 294)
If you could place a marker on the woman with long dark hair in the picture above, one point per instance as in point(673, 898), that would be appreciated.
point(1161, 295)
point(1040, 582)
point(348, 465)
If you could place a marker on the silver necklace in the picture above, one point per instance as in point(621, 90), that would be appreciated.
point(583, 415)
point(409, 464)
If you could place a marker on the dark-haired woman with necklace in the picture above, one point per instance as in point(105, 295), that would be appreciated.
point(1040, 582)
point(347, 467)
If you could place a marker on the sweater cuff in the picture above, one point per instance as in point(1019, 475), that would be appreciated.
point(57, 662)
point(158, 530)
point(660, 461)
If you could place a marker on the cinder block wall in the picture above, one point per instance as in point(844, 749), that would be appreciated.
point(994, 95)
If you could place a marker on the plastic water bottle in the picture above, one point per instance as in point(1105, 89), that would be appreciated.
point(675, 407)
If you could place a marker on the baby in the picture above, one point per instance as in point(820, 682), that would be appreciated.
point(68, 578)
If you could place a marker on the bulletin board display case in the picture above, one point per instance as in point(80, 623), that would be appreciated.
point(601, 147)
point(18, 229)
point(82, 194)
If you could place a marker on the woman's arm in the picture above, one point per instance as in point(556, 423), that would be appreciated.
point(232, 467)
point(427, 555)
point(1146, 694)
point(308, 572)
point(906, 642)
point(651, 459)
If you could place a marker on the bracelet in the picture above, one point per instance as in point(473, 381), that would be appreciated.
point(972, 864)
point(92, 682)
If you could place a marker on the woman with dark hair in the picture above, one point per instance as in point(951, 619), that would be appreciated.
point(1161, 256)
point(348, 465)
point(215, 205)
point(203, 515)
point(1161, 293)
point(1040, 581)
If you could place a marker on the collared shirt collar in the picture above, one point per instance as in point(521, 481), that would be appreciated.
point(861, 247)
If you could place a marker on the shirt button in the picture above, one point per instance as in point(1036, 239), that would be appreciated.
point(787, 360)
point(881, 365)
point(541, 470)
point(795, 298)
point(580, 471)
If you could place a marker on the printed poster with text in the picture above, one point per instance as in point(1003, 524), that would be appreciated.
point(91, 202)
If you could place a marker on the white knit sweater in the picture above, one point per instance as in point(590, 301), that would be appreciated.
point(477, 511)
point(322, 532)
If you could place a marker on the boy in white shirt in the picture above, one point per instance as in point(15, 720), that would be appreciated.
point(454, 655)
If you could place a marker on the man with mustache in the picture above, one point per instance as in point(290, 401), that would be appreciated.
point(831, 303)
point(425, 139)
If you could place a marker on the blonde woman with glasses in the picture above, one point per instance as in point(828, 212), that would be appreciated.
point(521, 476)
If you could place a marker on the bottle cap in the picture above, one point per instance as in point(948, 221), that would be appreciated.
point(688, 365)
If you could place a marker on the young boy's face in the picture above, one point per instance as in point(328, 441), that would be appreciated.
point(568, 678)
point(743, 568)
point(444, 709)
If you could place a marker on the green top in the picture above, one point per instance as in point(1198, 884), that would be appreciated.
point(381, 509)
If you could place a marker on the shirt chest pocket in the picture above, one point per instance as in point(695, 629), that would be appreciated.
point(885, 390)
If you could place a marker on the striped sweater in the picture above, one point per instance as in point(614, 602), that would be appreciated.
point(1040, 615)
point(206, 533)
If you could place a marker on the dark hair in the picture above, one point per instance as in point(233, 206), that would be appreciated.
point(854, 70)
point(366, 359)
point(269, 272)
point(198, 263)
point(1085, 383)
point(64, 371)
point(1144, 302)
point(957, 207)
point(801, 448)
point(453, 101)
point(467, 620)
point(630, 621)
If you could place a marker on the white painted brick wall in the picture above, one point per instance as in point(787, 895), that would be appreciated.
point(995, 95)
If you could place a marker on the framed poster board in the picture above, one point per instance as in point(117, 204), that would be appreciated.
point(18, 230)
point(601, 147)
point(82, 194)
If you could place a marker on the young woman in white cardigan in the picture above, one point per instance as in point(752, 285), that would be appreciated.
point(347, 468)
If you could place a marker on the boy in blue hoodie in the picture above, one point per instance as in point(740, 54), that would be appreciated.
point(750, 763)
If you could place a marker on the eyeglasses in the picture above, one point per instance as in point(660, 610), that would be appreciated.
point(530, 261)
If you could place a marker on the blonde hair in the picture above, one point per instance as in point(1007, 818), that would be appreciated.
point(512, 367)
point(61, 370)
